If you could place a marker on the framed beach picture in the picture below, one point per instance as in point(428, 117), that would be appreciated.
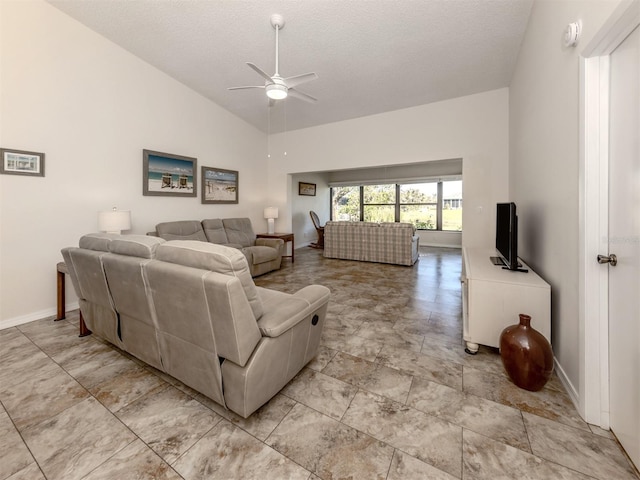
point(19, 162)
point(219, 185)
point(168, 175)
point(307, 189)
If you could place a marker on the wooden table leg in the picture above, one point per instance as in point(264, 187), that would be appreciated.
point(62, 271)
point(60, 315)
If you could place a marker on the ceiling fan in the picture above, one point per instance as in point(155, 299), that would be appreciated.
point(277, 87)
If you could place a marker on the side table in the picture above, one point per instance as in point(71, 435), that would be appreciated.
point(62, 270)
point(286, 237)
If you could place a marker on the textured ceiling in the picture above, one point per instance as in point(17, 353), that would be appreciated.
point(371, 56)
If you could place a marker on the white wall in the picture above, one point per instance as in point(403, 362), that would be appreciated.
point(544, 123)
point(302, 226)
point(474, 128)
point(92, 108)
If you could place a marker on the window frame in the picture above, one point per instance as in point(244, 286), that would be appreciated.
point(439, 203)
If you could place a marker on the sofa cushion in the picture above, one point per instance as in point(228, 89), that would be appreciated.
point(214, 231)
point(216, 258)
point(135, 245)
point(181, 230)
point(239, 230)
point(97, 241)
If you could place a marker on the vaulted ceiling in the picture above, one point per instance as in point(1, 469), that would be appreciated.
point(371, 56)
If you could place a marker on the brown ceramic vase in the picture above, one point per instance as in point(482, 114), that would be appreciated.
point(526, 355)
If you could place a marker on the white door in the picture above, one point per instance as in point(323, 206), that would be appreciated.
point(624, 243)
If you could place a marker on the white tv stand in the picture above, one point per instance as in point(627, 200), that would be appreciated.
point(493, 297)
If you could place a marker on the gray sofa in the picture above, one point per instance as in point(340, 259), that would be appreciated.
point(263, 254)
point(191, 309)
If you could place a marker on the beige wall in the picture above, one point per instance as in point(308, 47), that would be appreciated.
point(474, 128)
point(543, 141)
point(92, 107)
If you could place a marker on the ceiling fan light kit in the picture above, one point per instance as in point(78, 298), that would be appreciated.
point(276, 87)
point(276, 92)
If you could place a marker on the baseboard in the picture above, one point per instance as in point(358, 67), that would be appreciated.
point(307, 244)
point(424, 245)
point(30, 317)
point(571, 390)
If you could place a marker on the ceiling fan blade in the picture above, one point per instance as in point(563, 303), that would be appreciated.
point(244, 88)
point(300, 79)
point(260, 72)
point(302, 96)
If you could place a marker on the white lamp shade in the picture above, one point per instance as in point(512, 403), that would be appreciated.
point(114, 221)
point(271, 212)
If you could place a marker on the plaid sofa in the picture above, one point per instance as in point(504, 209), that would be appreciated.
point(395, 243)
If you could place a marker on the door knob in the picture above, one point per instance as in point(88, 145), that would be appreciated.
point(611, 259)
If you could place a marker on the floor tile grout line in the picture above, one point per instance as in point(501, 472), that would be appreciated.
point(296, 402)
point(35, 460)
point(91, 395)
point(220, 420)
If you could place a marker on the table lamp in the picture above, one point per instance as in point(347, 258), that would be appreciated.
point(114, 221)
point(271, 213)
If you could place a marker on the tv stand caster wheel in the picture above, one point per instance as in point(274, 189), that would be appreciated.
point(471, 348)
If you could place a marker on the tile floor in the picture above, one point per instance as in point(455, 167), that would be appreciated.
point(391, 395)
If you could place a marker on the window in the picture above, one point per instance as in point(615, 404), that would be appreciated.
point(452, 205)
point(379, 203)
point(345, 203)
point(433, 205)
point(419, 205)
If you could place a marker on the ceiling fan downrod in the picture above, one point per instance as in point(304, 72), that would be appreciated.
point(277, 22)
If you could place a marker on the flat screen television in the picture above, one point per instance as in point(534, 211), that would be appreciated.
point(507, 236)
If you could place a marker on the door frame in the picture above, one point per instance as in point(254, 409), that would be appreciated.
point(593, 289)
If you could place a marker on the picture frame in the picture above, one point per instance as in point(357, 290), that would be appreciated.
point(219, 185)
point(21, 162)
point(308, 189)
point(168, 175)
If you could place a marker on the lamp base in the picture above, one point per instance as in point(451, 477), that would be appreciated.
point(271, 226)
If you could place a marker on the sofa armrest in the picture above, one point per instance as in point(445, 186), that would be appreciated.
point(276, 243)
point(290, 310)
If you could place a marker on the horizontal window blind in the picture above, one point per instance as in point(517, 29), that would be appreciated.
point(393, 181)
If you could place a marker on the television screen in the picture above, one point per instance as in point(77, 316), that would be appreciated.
point(507, 234)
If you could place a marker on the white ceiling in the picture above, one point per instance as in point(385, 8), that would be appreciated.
point(371, 56)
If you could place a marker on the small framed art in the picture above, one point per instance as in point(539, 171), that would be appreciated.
point(307, 189)
point(165, 174)
point(20, 162)
point(219, 185)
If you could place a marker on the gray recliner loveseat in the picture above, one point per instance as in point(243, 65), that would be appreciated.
point(191, 309)
point(263, 254)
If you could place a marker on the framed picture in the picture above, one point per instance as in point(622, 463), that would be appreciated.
point(219, 185)
point(168, 175)
point(307, 189)
point(19, 162)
